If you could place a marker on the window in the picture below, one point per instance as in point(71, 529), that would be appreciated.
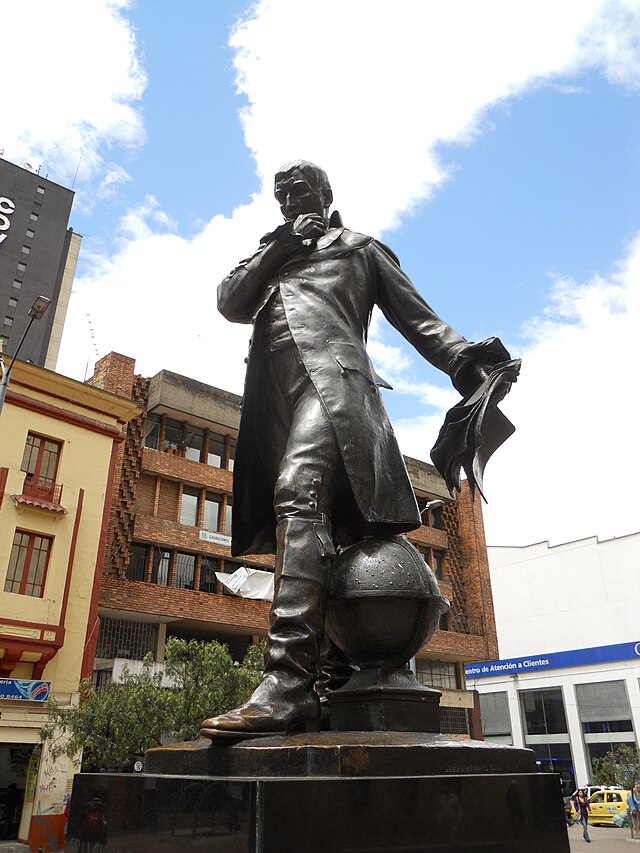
point(494, 711)
point(8, 321)
point(25, 250)
point(152, 431)
point(430, 517)
point(185, 570)
point(161, 567)
point(137, 568)
point(543, 712)
point(228, 516)
point(5, 341)
point(40, 463)
point(22, 267)
point(119, 638)
point(31, 234)
point(40, 190)
point(211, 511)
point(189, 506)
point(437, 673)
point(28, 563)
point(208, 568)
point(215, 451)
point(17, 284)
point(438, 563)
point(443, 623)
point(434, 559)
point(232, 453)
point(34, 217)
point(13, 302)
point(173, 438)
point(193, 441)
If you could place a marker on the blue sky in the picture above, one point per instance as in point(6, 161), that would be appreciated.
point(497, 150)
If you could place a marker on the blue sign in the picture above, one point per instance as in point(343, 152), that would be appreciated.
point(553, 660)
point(24, 691)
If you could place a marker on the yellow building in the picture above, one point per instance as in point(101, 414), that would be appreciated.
point(59, 446)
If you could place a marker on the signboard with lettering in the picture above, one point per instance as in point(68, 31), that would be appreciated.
point(23, 690)
point(7, 207)
point(218, 538)
point(553, 660)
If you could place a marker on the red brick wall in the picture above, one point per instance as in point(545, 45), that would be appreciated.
point(168, 500)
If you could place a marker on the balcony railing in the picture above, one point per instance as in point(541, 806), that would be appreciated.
point(42, 489)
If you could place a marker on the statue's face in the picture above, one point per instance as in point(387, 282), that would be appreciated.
point(295, 196)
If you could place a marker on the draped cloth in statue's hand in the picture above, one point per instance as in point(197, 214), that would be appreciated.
point(474, 429)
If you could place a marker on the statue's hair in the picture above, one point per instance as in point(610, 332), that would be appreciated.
point(316, 176)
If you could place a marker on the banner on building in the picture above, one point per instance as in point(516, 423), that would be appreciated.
point(553, 660)
point(23, 690)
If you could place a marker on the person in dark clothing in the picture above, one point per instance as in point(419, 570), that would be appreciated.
point(583, 808)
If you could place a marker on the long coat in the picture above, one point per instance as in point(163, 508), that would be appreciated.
point(328, 294)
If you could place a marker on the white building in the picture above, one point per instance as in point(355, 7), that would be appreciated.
point(567, 684)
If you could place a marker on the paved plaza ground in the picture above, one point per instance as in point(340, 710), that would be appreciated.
point(606, 839)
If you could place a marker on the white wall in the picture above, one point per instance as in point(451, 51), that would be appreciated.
point(571, 596)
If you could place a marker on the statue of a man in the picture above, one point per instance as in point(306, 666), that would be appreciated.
point(317, 464)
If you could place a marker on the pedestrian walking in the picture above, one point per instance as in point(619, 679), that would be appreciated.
point(633, 804)
point(583, 808)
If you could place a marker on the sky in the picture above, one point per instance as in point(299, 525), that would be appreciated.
point(494, 146)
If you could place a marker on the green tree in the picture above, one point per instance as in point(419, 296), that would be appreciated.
point(206, 681)
point(113, 726)
point(620, 766)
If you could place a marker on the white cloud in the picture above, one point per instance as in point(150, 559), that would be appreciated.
point(369, 91)
point(72, 83)
point(572, 468)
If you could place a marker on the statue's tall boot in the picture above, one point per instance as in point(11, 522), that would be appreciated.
point(285, 698)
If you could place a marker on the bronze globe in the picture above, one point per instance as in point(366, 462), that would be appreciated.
point(384, 602)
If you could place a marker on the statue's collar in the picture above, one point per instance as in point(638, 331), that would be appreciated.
point(330, 237)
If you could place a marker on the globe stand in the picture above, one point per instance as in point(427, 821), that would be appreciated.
point(384, 700)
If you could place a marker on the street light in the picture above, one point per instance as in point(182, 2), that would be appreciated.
point(36, 312)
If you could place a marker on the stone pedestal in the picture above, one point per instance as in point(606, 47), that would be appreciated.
point(325, 793)
point(379, 700)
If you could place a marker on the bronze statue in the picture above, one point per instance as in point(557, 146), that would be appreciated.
point(317, 464)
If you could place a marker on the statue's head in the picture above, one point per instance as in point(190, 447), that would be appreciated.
point(302, 187)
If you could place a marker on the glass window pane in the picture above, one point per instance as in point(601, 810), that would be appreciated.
point(543, 712)
point(211, 511)
point(137, 568)
point(208, 568)
point(438, 563)
point(160, 567)
point(232, 453)
point(228, 517)
point(193, 441)
point(215, 450)
point(189, 506)
point(603, 702)
point(494, 710)
point(30, 455)
point(173, 437)
point(152, 431)
point(185, 570)
point(49, 462)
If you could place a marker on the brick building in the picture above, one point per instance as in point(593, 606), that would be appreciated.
point(170, 530)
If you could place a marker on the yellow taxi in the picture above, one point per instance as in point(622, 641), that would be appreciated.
point(604, 806)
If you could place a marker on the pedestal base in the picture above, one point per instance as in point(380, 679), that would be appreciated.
point(457, 814)
point(379, 700)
